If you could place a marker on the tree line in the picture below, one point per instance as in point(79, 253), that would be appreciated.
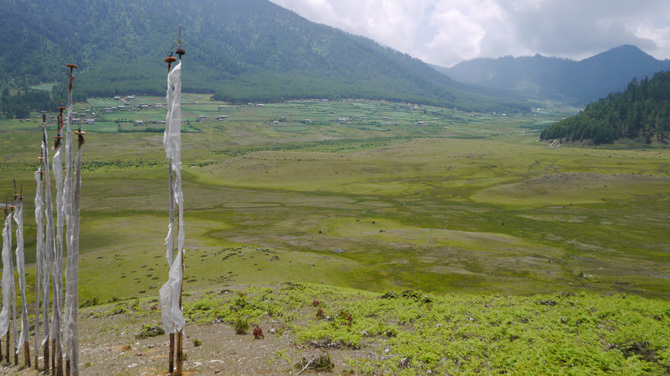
point(25, 101)
point(19, 105)
point(641, 111)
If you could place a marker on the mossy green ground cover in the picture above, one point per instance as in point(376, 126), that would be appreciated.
point(467, 203)
point(406, 332)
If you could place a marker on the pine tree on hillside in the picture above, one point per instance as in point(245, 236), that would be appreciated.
point(641, 111)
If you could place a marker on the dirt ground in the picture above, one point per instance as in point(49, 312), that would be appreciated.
point(108, 347)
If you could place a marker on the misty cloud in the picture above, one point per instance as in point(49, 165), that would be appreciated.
point(446, 32)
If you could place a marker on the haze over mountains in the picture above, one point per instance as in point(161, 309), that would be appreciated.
point(574, 82)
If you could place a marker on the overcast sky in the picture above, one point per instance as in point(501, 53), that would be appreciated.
point(445, 32)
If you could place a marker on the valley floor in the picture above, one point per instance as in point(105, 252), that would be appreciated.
point(533, 260)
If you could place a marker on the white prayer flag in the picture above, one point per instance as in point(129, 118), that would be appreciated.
point(173, 318)
point(49, 245)
point(7, 276)
point(39, 248)
point(21, 267)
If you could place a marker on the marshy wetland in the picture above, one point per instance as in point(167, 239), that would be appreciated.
point(362, 194)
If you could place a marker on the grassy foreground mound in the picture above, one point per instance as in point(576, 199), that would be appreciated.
point(346, 331)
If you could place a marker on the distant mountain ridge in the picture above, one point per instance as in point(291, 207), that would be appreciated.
point(251, 50)
point(575, 82)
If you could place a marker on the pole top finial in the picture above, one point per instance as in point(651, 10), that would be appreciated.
point(180, 51)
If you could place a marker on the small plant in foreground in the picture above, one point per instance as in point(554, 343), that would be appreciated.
point(149, 331)
point(319, 363)
point(240, 301)
point(241, 325)
point(197, 342)
point(90, 303)
point(346, 317)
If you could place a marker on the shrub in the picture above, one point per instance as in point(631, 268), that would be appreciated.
point(241, 325)
point(149, 331)
point(321, 363)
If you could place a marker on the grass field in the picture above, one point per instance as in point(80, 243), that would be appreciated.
point(362, 196)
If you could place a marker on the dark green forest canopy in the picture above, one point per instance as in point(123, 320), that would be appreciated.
point(240, 51)
point(19, 105)
point(642, 110)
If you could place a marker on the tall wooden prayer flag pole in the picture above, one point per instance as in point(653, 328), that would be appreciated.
point(72, 309)
point(171, 292)
point(57, 260)
point(169, 240)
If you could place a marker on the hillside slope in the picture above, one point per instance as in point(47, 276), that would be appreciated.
point(242, 51)
point(575, 82)
point(643, 110)
point(353, 332)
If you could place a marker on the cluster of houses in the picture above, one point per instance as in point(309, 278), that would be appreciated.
point(142, 122)
point(88, 120)
point(119, 98)
point(128, 107)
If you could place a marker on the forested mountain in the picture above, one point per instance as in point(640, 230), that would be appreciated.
point(642, 110)
point(574, 82)
point(249, 50)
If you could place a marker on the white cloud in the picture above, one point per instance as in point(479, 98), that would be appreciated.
point(447, 31)
point(660, 37)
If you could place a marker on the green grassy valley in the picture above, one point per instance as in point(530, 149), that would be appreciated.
point(344, 196)
point(462, 203)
